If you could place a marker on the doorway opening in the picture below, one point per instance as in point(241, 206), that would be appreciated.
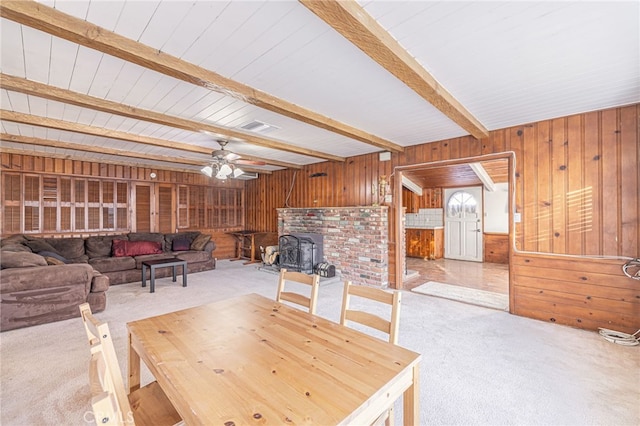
point(475, 256)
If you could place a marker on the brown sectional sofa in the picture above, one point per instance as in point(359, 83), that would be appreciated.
point(128, 268)
point(45, 279)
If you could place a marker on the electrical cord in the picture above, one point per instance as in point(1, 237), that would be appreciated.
point(633, 263)
point(620, 338)
point(293, 181)
point(617, 336)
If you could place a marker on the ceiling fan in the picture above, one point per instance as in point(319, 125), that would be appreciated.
point(225, 163)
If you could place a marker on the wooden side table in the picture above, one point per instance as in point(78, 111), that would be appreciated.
point(162, 263)
point(246, 246)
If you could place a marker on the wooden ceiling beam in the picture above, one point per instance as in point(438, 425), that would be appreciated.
point(59, 24)
point(29, 140)
point(41, 90)
point(350, 20)
point(19, 151)
point(7, 137)
point(36, 120)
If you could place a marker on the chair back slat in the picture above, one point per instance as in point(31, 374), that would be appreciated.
point(103, 400)
point(310, 302)
point(109, 398)
point(390, 326)
point(368, 319)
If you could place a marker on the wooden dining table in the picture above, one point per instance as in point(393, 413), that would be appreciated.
point(251, 360)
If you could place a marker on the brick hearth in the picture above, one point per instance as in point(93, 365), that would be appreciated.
point(355, 239)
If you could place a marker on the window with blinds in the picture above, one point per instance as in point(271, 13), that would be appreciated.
point(35, 204)
point(11, 204)
point(209, 207)
point(165, 209)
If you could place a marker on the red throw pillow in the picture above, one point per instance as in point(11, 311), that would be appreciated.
point(181, 245)
point(122, 248)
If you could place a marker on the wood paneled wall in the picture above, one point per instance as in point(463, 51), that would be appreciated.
point(576, 186)
point(576, 181)
point(431, 198)
point(496, 248)
point(16, 162)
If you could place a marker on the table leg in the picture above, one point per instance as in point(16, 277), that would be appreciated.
point(144, 276)
point(253, 249)
point(411, 400)
point(174, 267)
point(238, 247)
point(153, 279)
point(134, 369)
point(251, 239)
point(184, 274)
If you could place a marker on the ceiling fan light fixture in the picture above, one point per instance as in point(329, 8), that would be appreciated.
point(221, 175)
point(207, 170)
point(225, 170)
point(223, 167)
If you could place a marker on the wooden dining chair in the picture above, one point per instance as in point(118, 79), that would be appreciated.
point(309, 302)
point(368, 319)
point(111, 405)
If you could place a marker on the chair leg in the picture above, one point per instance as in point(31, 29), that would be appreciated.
point(389, 420)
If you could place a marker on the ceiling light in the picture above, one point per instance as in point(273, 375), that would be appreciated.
point(225, 170)
point(207, 170)
point(221, 176)
point(222, 171)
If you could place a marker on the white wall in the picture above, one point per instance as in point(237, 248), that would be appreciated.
point(496, 209)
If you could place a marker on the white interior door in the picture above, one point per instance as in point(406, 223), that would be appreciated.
point(463, 224)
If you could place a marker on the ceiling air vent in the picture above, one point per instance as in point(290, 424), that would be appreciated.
point(258, 127)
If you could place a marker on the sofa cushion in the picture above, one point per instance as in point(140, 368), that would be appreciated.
point(71, 248)
point(82, 259)
point(37, 245)
point(15, 247)
point(168, 238)
point(200, 241)
point(21, 260)
point(193, 256)
point(180, 244)
point(111, 264)
point(101, 246)
point(148, 236)
point(13, 239)
point(135, 248)
point(10, 259)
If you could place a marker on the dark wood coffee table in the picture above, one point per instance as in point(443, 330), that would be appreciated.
point(162, 263)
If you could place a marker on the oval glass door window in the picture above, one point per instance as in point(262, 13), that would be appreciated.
point(459, 202)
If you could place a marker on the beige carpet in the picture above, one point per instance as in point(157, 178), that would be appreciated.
point(464, 294)
point(480, 366)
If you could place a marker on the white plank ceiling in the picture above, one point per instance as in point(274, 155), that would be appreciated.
point(507, 62)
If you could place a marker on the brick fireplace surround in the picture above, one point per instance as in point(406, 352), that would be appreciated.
point(355, 239)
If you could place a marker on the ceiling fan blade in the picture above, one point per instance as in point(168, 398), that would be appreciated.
point(250, 162)
point(232, 156)
point(225, 155)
